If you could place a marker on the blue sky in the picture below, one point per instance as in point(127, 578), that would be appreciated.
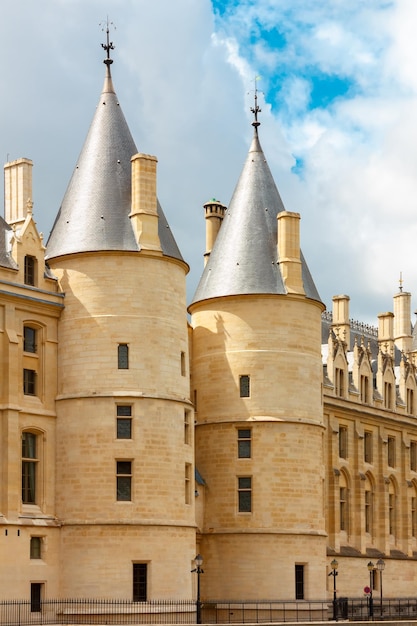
point(337, 90)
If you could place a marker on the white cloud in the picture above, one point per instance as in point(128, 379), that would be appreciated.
point(183, 79)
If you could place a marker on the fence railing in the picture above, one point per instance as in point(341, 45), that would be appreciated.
point(126, 612)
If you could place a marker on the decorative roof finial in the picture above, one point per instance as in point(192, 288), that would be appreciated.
point(256, 109)
point(109, 45)
point(401, 281)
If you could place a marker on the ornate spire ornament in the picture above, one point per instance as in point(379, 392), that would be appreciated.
point(109, 44)
point(256, 109)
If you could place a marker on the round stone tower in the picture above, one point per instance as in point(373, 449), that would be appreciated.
point(257, 376)
point(125, 450)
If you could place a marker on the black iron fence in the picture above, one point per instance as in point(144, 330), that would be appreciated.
point(126, 612)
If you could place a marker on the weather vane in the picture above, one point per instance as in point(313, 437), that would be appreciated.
point(109, 45)
point(256, 109)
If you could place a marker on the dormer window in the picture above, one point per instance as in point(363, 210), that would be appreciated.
point(30, 270)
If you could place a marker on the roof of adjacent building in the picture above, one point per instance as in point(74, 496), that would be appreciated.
point(94, 215)
point(244, 259)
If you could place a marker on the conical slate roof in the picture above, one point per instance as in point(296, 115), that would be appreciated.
point(244, 259)
point(94, 214)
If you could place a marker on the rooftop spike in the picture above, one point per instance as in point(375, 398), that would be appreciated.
point(256, 109)
point(109, 44)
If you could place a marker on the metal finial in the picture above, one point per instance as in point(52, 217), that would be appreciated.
point(109, 44)
point(256, 109)
point(401, 281)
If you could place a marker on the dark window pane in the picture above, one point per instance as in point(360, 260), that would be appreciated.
point(124, 490)
point(123, 356)
point(29, 382)
point(299, 582)
point(140, 575)
point(30, 263)
point(35, 597)
point(124, 428)
point(244, 382)
point(29, 339)
point(35, 547)
point(124, 410)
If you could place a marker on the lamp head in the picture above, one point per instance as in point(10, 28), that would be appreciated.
point(380, 565)
point(198, 561)
point(334, 565)
point(371, 566)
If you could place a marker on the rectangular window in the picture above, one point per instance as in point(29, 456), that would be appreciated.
point(183, 369)
point(140, 582)
point(124, 480)
point(188, 483)
point(367, 447)
point(343, 442)
point(244, 443)
point(413, 517)
point(29, 339)
point(35, 597)
point(29, 468)
point(244, 386)
point(299, 582)
point(245, 494)
point(123, 356)
point(36, 547)
point(391, 451)
point(29, 382)
point(124, 421)
point(413, 456)
point(187, 427)
point(30, 265)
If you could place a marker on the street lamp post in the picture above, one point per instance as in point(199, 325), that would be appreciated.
point(380, 566)
point(371, 568)
point(198, 570)
point(334, 565)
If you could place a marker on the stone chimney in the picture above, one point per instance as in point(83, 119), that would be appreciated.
point(289, 251)
point(341, 323)
point(386, 332)
point(17, 190)
point(144, 211)
point(402, 321)
point(214, 213)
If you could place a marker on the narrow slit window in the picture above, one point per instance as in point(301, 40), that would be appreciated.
point(123, 356)
point(244, 386)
